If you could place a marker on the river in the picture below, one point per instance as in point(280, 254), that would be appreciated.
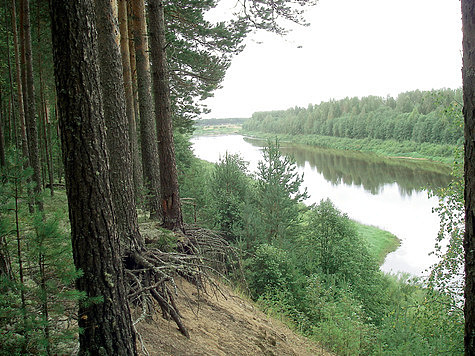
point(390, 193)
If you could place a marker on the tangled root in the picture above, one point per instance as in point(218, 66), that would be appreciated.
point(201, 255)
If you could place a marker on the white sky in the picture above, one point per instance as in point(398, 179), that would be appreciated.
point(352, 48)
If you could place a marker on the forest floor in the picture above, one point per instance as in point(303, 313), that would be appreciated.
point(221, 323)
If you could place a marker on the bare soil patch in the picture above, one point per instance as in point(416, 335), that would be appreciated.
point(221, 324)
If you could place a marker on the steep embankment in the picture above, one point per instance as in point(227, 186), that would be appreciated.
point(222, 323)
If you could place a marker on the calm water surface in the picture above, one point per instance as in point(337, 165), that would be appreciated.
point(391, 194)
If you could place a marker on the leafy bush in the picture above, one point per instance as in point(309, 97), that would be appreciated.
point(269, 271)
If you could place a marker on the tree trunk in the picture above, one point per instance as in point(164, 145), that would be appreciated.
point(170, 196)
point(2, 136)
point(9, 110)
point(129, 96)
point(47, 143)
point(44, 124)
point(106, 321)
point(133, 71)
point(148, 134)
point(59, 163)
point(22, 57)
point(118, 142)
point(19, 84)
point(468, 74)
point(31, 125)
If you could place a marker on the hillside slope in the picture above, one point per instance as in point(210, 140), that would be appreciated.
point(221, 324)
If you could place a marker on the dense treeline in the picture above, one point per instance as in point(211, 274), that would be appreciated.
point(418, 116)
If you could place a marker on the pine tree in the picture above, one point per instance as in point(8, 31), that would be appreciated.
point(148, 134)
point(117, 123)
point(105, 320)
point(468, 75)
point(279, 193)
point(129, 95)
point(31, 121)
point(169, 191)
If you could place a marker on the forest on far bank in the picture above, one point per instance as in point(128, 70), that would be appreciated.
point(418, 116)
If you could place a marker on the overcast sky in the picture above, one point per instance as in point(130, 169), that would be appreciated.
point(352, 48)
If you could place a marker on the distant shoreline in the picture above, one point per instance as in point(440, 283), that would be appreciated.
point(427, 152)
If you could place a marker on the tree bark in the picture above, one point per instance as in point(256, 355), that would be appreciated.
point(468, 75)
point(148, 134)
point(170, 196)
point(2, 136)
point(47, 144)
point(19, 84)
point(106, 323)
point(44, 121)
point(118, 142)
point(9, 110)
point(129, 96)
point(31, 122)
point(23, 57)
point(133, 71)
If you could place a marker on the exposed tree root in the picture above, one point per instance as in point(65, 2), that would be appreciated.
point(201, 255)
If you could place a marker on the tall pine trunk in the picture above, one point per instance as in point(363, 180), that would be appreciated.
point(468, 75)
point(9, 111)
point(31, 122)
point(2, 136)
point(118, 142)
point(133, 71)
point(106, 321)
point(129, 96)
point(170, 196)
point(19, 84)
point(47, 144)
point(44, 114)
point(148, 134)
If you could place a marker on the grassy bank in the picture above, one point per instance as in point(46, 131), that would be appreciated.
point(407, 149)
point(379, 242)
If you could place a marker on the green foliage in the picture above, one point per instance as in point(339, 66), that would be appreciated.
point(38, 300)
point(230, 192)
point(269, 271)
point(333, 248)
point(278, 193)
point(342, 327)
point(163, 239)
point(331, 237)
point(420, 321)
point(320, 271)
point(418, 117)
point(399, 149)
point(448, 274)
point(195, 194)
point(200, 53)
point(183, 153)
point(193, 175)
point(379, 242)
point(271, 15)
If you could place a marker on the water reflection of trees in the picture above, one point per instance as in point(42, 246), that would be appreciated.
point(369, 171)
